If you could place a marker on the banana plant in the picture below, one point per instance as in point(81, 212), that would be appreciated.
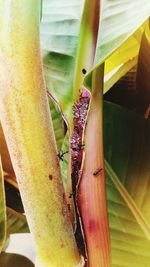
point(80, 47)
point(23, 58)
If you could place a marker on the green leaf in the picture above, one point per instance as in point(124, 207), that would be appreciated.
point(129, 158)
point(58, 122)
point(119, 72)
point(129, 244)
point(124, 92)
point(143, 72)
point(64, 163)
point(127, 155)
point(41, 6)
point(122, 60)
point(16, 222)
point(2, 210)
point(14, 260)
point(119, 20)
point(88, 35)
point(60, 36)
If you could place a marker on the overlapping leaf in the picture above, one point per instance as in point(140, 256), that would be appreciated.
point(127, 150)
point(16, 222)
point(119, 20)
point(59, 38)
point(2, 210)
point(130, 158)
point(60, 35)
point(58, 122)
point(143, 73)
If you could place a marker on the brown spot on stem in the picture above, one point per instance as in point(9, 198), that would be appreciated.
point(62, 244)
point(64, 196)
point(71, 194)
point(69, 207)
point(50, 177)
point(65, 211)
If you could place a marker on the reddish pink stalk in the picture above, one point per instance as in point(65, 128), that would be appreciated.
point(92, 188)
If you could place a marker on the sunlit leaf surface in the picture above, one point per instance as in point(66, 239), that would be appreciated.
point(60, 35)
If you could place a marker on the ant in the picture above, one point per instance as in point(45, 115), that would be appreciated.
point(80, 146)
point(97, 171)
point(70, 195)
point(60, 155)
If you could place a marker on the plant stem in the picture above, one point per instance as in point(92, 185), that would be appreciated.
point(84, 61)
point(27, 125)
point(87, 44)
point(92, 188)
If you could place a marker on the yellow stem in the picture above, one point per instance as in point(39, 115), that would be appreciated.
point(27, 125)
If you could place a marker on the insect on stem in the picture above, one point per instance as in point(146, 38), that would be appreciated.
point(60, 155)
point(97, 171)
